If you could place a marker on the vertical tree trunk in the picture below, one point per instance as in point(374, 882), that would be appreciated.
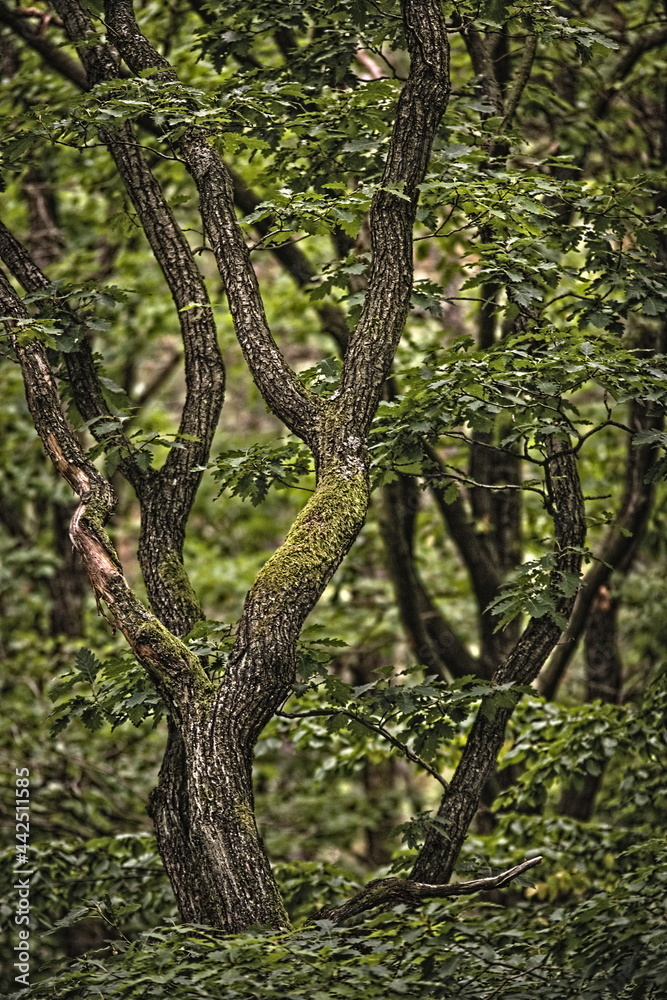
point(203, 811)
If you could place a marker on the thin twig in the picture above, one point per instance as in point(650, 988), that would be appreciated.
point(379, 729)
point(467, 481)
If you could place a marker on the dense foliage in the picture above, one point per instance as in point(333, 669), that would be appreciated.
point(470, 629)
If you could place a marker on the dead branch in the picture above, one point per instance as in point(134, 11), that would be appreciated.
point(388, 892)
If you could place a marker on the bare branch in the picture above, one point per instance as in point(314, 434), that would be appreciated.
point(374, 727)
point(388, 892)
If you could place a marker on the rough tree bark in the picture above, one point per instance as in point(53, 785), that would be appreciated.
point(459, 802)
point(618, 549)
point(203, 806)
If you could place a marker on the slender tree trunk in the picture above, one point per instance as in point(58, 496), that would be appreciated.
point(434, 642)
point(459, 804)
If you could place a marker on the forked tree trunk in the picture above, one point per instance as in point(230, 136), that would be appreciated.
point(203, 806)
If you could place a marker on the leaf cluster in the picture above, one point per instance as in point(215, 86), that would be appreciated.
point(250, 473)
point(109, 692)
point(531, 382)
point(555, 744)
point(606, 946)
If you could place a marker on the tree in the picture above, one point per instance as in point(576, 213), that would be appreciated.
point(567, 254)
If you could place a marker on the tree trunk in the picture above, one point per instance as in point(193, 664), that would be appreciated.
point(203, 806)
point(459, 804)
point(203, 811)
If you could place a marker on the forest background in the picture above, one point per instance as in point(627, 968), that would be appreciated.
point(454, 471)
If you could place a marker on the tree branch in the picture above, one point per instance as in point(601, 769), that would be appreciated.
point(262, 664)
point(294, 261)
point(374, 727)
point(290, 583)
point(53, 56)
point(273, 376)
point(421, 104)
point(80, 366)
point(288, 254)
point(459, 803)
point(617, 549)
point(477, 550)
point(433, 641)
point(521, 78)
point(482, 62)
point(204, 369)
point(388, 892)
point(176, 672)
point(624, 66)
point(175, 485)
